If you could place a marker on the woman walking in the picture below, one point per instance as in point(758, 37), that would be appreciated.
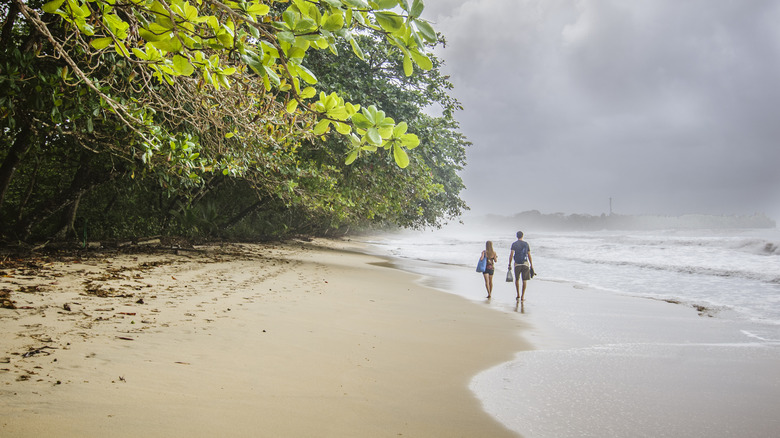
point(492, 258)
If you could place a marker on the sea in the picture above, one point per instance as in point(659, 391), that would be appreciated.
point(729, 277)
point(737, 270)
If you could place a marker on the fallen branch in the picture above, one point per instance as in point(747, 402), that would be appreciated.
point(35, 351)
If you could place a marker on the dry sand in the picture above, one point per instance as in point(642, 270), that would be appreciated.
point(293, 340)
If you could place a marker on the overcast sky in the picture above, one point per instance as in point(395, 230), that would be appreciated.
point(666, 106)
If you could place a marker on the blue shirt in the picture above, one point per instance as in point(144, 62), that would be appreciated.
point(521, 249)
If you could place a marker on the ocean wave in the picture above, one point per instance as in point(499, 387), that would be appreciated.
point(771, 278)
point(759, 247)
point(750, 245)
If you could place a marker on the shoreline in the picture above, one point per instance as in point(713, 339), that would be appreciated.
point(608, 364)
point(611, 365)
point(618, 365)
point(296, 339)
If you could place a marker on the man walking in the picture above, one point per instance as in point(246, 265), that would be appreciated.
point(521, 255)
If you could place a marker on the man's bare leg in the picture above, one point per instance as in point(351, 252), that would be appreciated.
point(522, 297)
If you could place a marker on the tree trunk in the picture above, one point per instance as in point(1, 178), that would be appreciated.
point(10, 19)
point(28, 193)
point(83, 181)
point(67, 228)
point(180, 203)
point(244, 213)
point(20, 147)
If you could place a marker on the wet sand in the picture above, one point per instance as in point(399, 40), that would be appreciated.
point(606, 364)
point(245, 340)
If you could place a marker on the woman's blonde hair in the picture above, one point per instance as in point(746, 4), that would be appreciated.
point(489, 249)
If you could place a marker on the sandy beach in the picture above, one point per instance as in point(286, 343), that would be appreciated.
point(317, 338)
point(298, 339)
point(608, 363)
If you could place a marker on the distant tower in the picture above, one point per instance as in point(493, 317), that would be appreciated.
point(610, 206)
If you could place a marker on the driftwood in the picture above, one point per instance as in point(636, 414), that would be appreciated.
point(36, 351)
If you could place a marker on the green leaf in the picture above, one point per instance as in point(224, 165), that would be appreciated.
point(213, 22)
point(400, 156)
point(290, 18)
point(322, 43)
point(410, 141)
point(342, 128)
point(308, 92)
point(287, 37)
point(85, 27)
point(360, 4)
point(352, 109)
point(423, 61)
point(258, 9)
point(148, 35)
point(171, 45)
point(333, 22)
point(116, 25)
point(356, 49)
point(190, 12)
point(182, 66)
point(52, 6)
point(292, 105)
point(372, 114)
point(386, 132)
point(354, 140)
point(426, 30)
point(140, 54)
point(223, 80)
point(79, 10)
point(361, 121)
point(408, 68)
point(339, 113)
point(351, 157)
point(321, 127)
point(372, 134)
point(225, 38)
point(296, 52)
point(400, 129)
point(417, 8)
point(254, 60)
point(159, 29)
point(305, 25)
point(101, 43)
point(389, 21)
point(121, 49)
point(306, 75)
point(386, 4)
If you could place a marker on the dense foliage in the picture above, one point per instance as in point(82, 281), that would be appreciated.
point(231, 119)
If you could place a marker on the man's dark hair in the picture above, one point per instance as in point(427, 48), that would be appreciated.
point(519, 234)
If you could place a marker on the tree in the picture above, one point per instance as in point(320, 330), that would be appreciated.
point(426, 192)
point(224, 78)
point(183, 92)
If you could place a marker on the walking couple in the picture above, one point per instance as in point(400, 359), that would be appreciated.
point(520, 254)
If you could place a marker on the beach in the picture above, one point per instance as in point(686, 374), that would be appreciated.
point(296, 339)
point(329, 338)
point(679, 348)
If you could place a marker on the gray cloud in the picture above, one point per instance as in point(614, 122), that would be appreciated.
point(669, 107)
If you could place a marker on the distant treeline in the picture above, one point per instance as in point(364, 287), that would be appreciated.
point(560, 221)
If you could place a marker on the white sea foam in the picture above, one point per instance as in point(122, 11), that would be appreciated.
point(718, 269)
point(625, 372)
